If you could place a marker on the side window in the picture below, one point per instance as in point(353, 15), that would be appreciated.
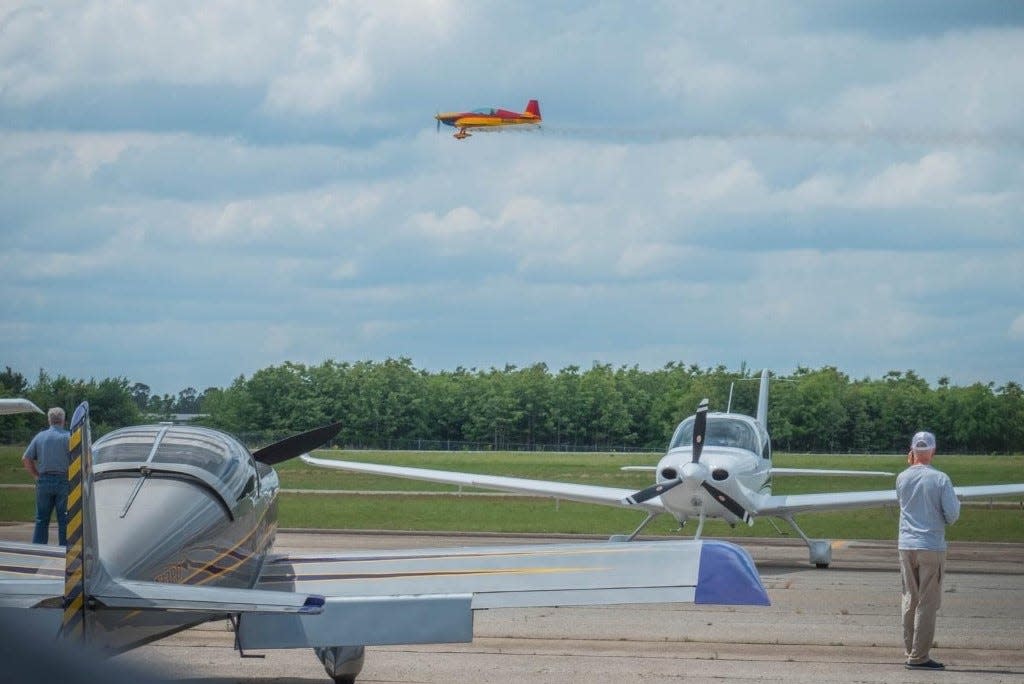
point(766, 453)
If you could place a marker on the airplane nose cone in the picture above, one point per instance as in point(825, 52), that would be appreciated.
point(693, 471)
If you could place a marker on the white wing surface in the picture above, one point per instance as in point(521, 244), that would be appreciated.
point(428, 595)
point(829, 473)
point(8, 406)
point(607, 496)
point(807, 503)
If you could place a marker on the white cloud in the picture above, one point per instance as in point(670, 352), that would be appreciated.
point(812, 193)
point(78, 45)
point(1016, 330)
point(348, 51)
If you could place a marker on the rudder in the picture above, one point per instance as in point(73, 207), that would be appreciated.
point(80, 556)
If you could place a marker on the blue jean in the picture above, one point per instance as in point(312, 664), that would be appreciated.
point(51, 495)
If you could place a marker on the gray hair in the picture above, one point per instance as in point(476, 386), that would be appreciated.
point(55, 416)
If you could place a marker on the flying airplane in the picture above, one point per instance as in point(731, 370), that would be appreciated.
point(489, 117)
point(718, 465)
point(172, 525)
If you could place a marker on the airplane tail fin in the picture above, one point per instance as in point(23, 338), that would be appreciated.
point(81, 565)
point(533, 107)
point(762, 401)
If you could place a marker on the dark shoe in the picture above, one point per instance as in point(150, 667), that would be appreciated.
point(926, 665)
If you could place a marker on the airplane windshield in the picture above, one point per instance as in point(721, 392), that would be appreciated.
point(489, 111)
point(175, 444)
point(722, 431)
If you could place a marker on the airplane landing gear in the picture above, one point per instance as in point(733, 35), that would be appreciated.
point(342, 663)
point(631, 537)
point(461, 135)
point(820, 550)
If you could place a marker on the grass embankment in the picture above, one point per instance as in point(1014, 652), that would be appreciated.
point(505, 514)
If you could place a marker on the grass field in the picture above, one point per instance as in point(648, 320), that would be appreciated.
point(503, 514)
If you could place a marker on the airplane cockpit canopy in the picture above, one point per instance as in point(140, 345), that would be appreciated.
point(722, 430)
point(487, 111)
point(206, 452)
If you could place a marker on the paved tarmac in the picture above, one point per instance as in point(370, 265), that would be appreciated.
point(838, 625)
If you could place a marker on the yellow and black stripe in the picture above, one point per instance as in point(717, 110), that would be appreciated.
point(80, 450)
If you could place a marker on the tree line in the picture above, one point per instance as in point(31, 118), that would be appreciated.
point(393, 404)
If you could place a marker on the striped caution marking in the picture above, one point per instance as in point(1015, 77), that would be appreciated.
point(79, 447)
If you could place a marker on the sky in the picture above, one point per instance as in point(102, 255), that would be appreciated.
point(191, 191)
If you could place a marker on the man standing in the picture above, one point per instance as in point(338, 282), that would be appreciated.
point(927, 504)
point(47, 459)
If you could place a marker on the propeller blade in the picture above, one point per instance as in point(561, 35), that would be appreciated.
point(652, 491)
point(700, 426)
point(730, 503)
point(296, 445)
point(438, 117)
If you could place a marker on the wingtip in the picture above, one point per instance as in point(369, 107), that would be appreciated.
point(728, 576)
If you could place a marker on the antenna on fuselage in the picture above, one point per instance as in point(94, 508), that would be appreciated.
point(728, 408)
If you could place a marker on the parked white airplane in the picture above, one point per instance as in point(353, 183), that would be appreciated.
point(718, 465)
point(9, 406)
point(170, 526)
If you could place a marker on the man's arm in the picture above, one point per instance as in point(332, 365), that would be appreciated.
point(30, 466)
point(950, 504)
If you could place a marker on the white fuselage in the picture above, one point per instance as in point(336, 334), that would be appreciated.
point(736, 461)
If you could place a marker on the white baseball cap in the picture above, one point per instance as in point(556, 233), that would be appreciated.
point(923, 441)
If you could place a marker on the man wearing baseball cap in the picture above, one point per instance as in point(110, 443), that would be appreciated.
point(927, 504)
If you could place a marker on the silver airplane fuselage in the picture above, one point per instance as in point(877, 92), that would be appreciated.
point(178, 505)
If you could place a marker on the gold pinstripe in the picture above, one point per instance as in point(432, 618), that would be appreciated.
point(483, 572)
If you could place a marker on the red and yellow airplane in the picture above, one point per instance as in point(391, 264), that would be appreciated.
point(489, 117)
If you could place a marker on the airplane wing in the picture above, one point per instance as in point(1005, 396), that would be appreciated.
point(432, 592)
point(8, 406)
point(830, 473)
point(607, 496)
point(806, 503)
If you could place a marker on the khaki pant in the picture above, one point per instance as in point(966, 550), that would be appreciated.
point(922, 594)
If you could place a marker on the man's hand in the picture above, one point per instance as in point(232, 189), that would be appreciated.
point(30, 466)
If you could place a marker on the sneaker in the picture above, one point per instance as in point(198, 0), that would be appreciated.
point(926, 665)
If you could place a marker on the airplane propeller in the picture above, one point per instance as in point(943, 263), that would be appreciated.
point(296, 445)
point(700, 425)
